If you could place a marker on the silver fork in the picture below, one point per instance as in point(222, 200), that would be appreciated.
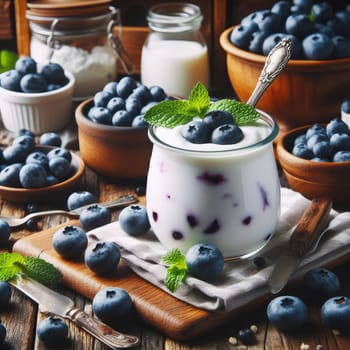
point(119, 202)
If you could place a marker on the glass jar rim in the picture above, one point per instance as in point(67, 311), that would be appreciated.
point(267, 140)
point(172, 17)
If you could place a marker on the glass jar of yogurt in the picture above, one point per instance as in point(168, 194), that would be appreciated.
point(227, 195)
point(175, 55)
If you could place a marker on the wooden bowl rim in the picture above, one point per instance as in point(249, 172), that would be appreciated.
point(252, 57)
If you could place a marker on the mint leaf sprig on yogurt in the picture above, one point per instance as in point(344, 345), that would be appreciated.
point(171, 113)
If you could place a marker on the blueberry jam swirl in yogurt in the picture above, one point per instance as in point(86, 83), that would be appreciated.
point(227, 195)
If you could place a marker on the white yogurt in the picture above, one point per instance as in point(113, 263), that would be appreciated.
point(225, 195)
point(175, 65)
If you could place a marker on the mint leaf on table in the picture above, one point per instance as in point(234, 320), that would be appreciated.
point(242, 112)
point(172, 113)
point(13, 264)
point(177, 270)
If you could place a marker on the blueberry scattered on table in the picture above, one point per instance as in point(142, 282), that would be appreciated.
point(335, 313)
point(204, 261)
point(53, 331)
point(102, 257)
point(247, 336)
point(70, 241)
point(80, 198)
point(94, 216)
point(287, 312)
point(133, 219)
point(113, 306)
point(50, 139)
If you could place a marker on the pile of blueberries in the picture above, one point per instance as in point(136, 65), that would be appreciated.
point(317, 30)
point(30, 77)
point(124, 103)
point(330, 143)
point(23, 165)
point(216, 127)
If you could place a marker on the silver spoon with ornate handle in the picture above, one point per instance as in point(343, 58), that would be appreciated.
point(276, 60)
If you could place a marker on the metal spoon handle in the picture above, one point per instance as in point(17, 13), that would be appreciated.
point(276, 60)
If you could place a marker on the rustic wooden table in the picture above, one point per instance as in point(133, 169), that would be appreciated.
point(22, 316)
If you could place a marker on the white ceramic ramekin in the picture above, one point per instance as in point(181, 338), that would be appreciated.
point(38, 112)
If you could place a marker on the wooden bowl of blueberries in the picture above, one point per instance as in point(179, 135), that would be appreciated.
point(112, 133)
point(317, 78)
point(316, 159)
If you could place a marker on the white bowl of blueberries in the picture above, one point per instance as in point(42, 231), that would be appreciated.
point(36, 97)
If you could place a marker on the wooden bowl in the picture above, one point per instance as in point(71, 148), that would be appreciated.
point(306, 91)
point(119, 153)
point(310, 178)
point(47, 193)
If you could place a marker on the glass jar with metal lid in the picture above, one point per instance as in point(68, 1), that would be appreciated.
point(84, 45)
point(175, 55)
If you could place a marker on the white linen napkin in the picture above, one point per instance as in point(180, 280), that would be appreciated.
point(242, 282)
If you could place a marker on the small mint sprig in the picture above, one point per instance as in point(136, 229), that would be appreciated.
point(14, 264)
point(177, 269)
point(171, 113)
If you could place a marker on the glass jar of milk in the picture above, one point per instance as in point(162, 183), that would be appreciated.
point(226, 195)
point(175, 55)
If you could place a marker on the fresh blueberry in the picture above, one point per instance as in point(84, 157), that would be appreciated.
point(60, 152)
point(38, 157)
point(321, 11)
point(315, 129)
point(102, 98)
point(32, 176)
point(305, 4)
point(301, 150)
point(268, 21)
point(33, 83)
point(53, 331)
point(101, 115)
point(158, 94)
point(60, 167)
point(22, 132)
point(113, 306)
point(256, 44)
point(341, 156)
point(247, 336)
point(196, 131)
point(316, 138)
point(214, 119)
point(50, 139)
point(102, 257)
point(133, 220)
point(94, 216)
point(26, 141)
point(52, 87)
point(341, 46)
point(318, 46)
point(122, 118)
point(287, 312)
point(324, 29)
point(345, 106)
point(282, 8)
point(204, 261)
point(271, 41)
point(241, 35)
point(227, 134)
point(336, 26)
point(299, 25)
point(70, 241)
point(300, 139)
point(133, 105)
point(2, 333)
point(322, 150)
point(139, 122)
point(115, 104)
point(344, 18)
point(9, 176)
point(111, 88)
point(25, 65)
point(125, 86)
point(79, 199)
point(340, 141)
point(54, 74)
point(142, 93)
point(52, 180)
point(320, 284)
point(335, 312)
point(5, 232)
point(336, 126)
point(14, 154)
point(5, 294)
point(10, 80)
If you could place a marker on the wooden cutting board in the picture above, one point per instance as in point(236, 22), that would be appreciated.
point(171, 316)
